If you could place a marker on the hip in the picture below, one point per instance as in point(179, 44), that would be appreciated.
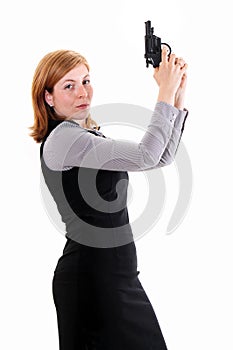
point(78, 258)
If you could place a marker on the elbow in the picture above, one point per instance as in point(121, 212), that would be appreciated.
point(167, 157)
point(166, 161)
point(149, 160)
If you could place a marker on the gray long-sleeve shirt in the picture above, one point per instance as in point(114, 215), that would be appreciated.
point(70, 145)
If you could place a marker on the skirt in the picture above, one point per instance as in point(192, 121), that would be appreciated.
point(100, 302)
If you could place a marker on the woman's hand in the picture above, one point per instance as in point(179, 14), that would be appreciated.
point(171, 78)
point(180, 93)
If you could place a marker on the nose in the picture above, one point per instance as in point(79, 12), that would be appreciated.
point(81, 91)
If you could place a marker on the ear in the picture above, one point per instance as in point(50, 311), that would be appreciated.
point(48, 98)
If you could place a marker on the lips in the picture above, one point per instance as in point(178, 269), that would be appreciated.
point(84, 105)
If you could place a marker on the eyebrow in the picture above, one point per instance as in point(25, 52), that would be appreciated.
point(74, 80)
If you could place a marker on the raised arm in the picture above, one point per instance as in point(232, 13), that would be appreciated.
point(169, 154)
point(70, 145)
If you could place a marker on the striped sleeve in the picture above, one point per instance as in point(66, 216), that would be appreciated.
point(70, 145)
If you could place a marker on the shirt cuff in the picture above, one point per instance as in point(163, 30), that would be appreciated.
point(180, 120)
point(167, 111)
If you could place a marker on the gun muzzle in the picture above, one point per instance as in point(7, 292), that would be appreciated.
point(148, 28)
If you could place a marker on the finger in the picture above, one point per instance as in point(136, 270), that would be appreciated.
point(185, 67)
point(155, 75)
point(180, 67)
point(164, 54)
point(172, 58)
point(180, 61)
point(164, 47)
point(183, 81)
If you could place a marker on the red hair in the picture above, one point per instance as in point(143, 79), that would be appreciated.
point(49, 71)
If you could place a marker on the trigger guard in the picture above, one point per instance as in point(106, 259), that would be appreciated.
point(170, 50)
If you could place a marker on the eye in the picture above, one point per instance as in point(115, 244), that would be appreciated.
point(68, 86)
point(86, 81)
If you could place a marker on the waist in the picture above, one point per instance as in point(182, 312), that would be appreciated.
point(85, 258)
point(90, 234)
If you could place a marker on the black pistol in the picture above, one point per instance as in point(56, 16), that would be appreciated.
point(153, 49)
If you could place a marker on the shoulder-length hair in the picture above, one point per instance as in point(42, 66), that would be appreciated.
point(49, 71)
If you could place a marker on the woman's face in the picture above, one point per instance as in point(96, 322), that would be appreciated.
point(72, 95)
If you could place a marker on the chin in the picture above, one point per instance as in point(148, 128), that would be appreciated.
point(80, 115)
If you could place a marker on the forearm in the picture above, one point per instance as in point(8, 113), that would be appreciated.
point(169, 153)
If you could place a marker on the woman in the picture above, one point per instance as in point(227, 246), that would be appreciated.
point(99, 300)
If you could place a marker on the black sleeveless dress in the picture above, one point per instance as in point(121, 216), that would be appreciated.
point(99, 300)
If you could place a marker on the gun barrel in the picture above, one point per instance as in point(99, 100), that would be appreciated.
point(148, 27)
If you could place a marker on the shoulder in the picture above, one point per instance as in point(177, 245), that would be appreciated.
point(72, 124)
point(67, 133)
point(65, 128)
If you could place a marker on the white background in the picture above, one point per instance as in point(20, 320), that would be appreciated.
point(187, 275)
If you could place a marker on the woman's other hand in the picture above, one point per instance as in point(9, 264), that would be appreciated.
point(180, 93)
